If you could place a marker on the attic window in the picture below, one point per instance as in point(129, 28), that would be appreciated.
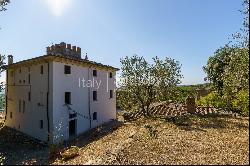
point(110, 75)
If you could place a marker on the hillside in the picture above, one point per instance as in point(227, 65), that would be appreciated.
point(193, 140)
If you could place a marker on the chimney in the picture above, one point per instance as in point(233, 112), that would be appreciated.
point(48, 50)
point(86, 56)
point(10, 59)
point(52, 48)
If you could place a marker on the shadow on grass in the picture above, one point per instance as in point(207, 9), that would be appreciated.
point(17, 148)
point(88, 137)
point(194, 122)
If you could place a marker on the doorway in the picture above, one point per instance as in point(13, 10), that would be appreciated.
point(72, 128)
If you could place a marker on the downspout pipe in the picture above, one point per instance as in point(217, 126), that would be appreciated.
point(10, 61)
point(48, 103)
point(6, 94)
point(89, 101)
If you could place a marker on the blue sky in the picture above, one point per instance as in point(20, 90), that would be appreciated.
point(186, 30)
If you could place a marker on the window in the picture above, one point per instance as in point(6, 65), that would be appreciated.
point(72, 115)
point(23, 106)
point(111, 94)
point(67, 98)
point(20, 81)
point(41, 70)
point(20, 102)
point(67, 69)
point(110, 75)
point(95, 73)
point(95, 95)
point(29, 78)
point(11, 115)
point(28, 69)
point(41, 124)
point(20, 70)
point(95, 116)
point(24, 81)
point(29, 96)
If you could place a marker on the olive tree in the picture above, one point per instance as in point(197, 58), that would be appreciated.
point(3, 3)
point(144, 83)
point(228, 68)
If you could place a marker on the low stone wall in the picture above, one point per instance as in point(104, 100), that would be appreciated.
point(172, 109)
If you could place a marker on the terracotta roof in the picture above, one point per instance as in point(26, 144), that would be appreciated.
point(84, 61)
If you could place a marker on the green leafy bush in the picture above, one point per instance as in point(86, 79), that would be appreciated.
point(241, 102)
point(213, 99)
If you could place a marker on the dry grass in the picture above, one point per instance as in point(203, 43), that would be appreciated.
point(190, 140)
point(186, 140)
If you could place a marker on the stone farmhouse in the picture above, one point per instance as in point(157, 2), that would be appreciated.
point(59, 95)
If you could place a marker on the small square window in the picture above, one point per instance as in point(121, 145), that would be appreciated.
point(111, 94)
point(67, 97)
point(67, 69)
point(41, 70)
point(41, 124)
point(95, 73)
point(95, 116)
point(110, 75)
point(72, 115)
point(95, 95)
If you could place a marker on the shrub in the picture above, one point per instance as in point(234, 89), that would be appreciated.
point(214, 100)
point(70, 153)
point(241, 102)
point(54, 150)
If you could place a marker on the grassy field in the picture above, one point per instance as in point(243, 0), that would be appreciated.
point(191, 140)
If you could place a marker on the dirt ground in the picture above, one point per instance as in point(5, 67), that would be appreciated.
point(188, 140)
